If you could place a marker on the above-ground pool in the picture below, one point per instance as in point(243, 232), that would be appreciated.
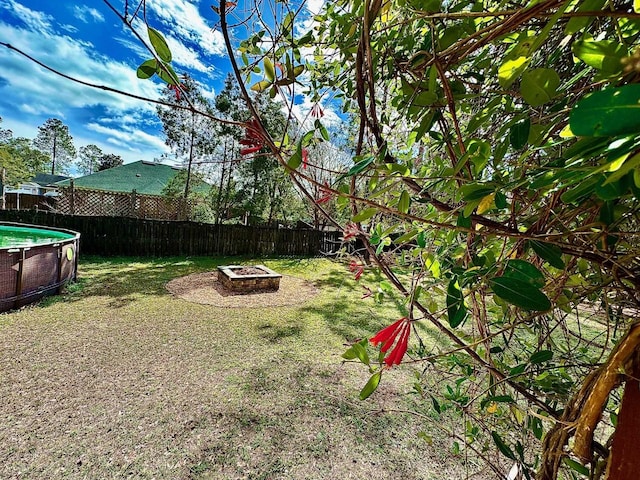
point(34, 262)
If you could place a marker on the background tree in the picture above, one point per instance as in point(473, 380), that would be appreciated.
point(265, 189)
point(5, 134)
point(89, 157)
point(54, 140)
point(109, 160)
point(21, 161)
point(191, 136)
point(229, 105)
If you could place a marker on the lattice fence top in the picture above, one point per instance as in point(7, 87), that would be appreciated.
point(81, 201)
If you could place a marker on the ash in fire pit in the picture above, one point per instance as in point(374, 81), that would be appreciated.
point(247, 279)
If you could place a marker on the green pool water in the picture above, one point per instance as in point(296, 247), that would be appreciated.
point(11, 236)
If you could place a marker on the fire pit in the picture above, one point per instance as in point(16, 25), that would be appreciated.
point(247, 279)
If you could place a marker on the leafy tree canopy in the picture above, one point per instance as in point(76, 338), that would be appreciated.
point(109, 160)
point(89, 158)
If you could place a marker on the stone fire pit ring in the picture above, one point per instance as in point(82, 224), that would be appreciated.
point(247, 279)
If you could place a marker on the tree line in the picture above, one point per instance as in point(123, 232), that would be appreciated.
point(244, 179)
point(52, 151)
point(226, 182)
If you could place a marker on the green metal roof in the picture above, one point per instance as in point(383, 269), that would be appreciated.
point(146, 178)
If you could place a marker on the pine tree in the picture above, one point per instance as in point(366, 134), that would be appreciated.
point(231, 106)
point(55, 141)
point(191, 136)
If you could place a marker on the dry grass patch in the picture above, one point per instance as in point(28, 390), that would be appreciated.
point(120, 379)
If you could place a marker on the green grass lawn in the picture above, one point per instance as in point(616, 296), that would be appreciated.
point(119, 379)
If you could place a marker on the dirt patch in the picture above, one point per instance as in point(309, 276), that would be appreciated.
point(205, 288)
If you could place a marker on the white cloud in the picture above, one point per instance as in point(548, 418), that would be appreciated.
point(32, 19)
point(87, 14)
point(69, 28)
point(185, 56)
point(183, 19)
point(208, 93)
point(74, 58)
point(126, 136)
point(37, 109)
point(31, 93)
point(134, 46)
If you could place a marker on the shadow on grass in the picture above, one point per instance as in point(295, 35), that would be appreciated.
point(275, 333)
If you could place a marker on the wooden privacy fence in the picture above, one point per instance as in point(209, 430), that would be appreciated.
point(82, 201)
point(131, 236)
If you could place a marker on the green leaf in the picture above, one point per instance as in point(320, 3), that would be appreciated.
point(350, 354)
point(604, 55)
point(612, 190)
point(525, 271)
point(371, 386)
point(629, 165)
point(576, 24)
point(463, 221)
point(147, 69)
point(539, 86)
point(510, 70)
point(581, 191)
point(614, 111)
point(456, 311)
point(322, 129)
point(404, 202)
point(261, 86)
point(296, 159)
point(269, 71)
point(535, 424)
point(519, 134)
point(577, 466)
point(364, 215)
point(551, 253)
point(159, 44)
point(167, 74)
point(520, 293)
point(476, 191)
point(503, 447)
point(470, 207)
point(361, 353)
point(360, 166)
point(541, 357)
point(436, 404)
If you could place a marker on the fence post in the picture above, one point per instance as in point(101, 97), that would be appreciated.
point(132, 204)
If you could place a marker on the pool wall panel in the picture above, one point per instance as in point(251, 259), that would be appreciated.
point(29, 273)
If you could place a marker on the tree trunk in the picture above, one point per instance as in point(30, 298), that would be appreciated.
point(186, 185)
point(53, 154)
point(221, 184)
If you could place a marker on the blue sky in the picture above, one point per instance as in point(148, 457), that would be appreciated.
point(88, 41)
